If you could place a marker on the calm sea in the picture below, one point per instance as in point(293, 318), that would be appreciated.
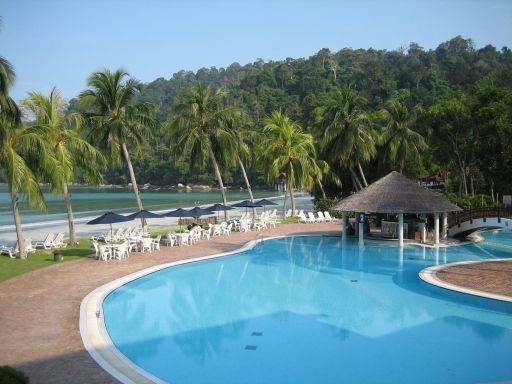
point(91, 202)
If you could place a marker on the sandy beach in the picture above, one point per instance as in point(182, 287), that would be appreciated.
point(303, 201)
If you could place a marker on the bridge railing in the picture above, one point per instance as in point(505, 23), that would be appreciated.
point(500, 211)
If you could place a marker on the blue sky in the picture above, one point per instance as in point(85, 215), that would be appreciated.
point(60, 43)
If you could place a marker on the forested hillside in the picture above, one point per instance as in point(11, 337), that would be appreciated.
point(462, 97)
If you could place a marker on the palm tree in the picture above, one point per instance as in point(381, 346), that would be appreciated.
point(18, 147)
point(400, 140)
point(347, 136)
point(69, 149)
point(115, 122)
point(244, 136)
point(286, 148)
point(200, 130)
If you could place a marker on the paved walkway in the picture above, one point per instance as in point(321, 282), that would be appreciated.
point(39, 310)
point(487, 276)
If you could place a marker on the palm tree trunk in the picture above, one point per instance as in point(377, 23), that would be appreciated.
point(402, 165)
point(284, 204)
point(362, 174)
point(71, 223)
point(132, 176)
point(292, 199)
point(321, 188)
point(219, 179)
point(247, 184)
point(290, 187)
point(17, 223)
point(355, 179)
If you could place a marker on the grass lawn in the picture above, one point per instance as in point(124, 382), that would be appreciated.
point(42, 258)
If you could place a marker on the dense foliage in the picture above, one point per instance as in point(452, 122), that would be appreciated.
point(460, 97)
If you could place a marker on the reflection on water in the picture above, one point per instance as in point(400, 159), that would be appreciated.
point(313, 309)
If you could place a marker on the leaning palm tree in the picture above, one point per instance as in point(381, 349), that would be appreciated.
point(286, 148)
point(69, 149)
point(114, 122)
point(245, 137)
point(20, 149)
point(347, 136)
point(400, 141)
point(199, 129)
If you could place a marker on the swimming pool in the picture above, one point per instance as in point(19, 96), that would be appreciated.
point(314, 309)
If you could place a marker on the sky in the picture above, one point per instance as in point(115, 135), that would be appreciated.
point(62, 42)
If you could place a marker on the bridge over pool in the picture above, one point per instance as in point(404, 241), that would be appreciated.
point(463, 223)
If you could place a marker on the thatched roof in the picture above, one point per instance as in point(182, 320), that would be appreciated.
point(395, 193)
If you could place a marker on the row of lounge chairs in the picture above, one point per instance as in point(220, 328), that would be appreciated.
point(50, 241)
point(321, 217)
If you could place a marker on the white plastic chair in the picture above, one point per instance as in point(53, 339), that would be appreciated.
point(59, 240)
point(46, 243)
point(303, 218)
point(104, 253)
point(321, 217)
point(146, 245)
point(184, 240)
point(227, 229)
point(170, 239)
point(156, 242)
point(311, 217)
point(328, 216)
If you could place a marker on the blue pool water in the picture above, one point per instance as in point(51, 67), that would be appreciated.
point(314, 310)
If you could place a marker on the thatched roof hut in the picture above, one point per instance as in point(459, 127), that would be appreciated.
point(396, 193)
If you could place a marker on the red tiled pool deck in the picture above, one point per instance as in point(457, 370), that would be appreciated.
point(39, 311)
point(487, 276)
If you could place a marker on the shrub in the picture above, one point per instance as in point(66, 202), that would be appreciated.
point(10, 375)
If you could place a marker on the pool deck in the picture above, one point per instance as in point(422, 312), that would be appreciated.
point(490, 278)
point(39, 311)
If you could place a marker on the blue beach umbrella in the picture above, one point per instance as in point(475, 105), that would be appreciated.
point(198, 211)
point(265, 202)
point(109, 218)
point(143, 214)
point(179, 213)
point(246, 204)
point(219, 207)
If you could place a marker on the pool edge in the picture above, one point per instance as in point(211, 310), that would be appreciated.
point(429, 275)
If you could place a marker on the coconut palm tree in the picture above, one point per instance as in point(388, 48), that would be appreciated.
point(69, 149)
point(286, 148)
point(400, 141)
point(19, 148)
point(347, 136)
point(199, 129)
point(245, 136)
point(114, 122)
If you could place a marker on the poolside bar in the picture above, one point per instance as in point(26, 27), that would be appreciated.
point(395, 194)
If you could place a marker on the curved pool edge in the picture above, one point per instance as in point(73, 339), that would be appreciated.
point(429, 275)
point(94, 333)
